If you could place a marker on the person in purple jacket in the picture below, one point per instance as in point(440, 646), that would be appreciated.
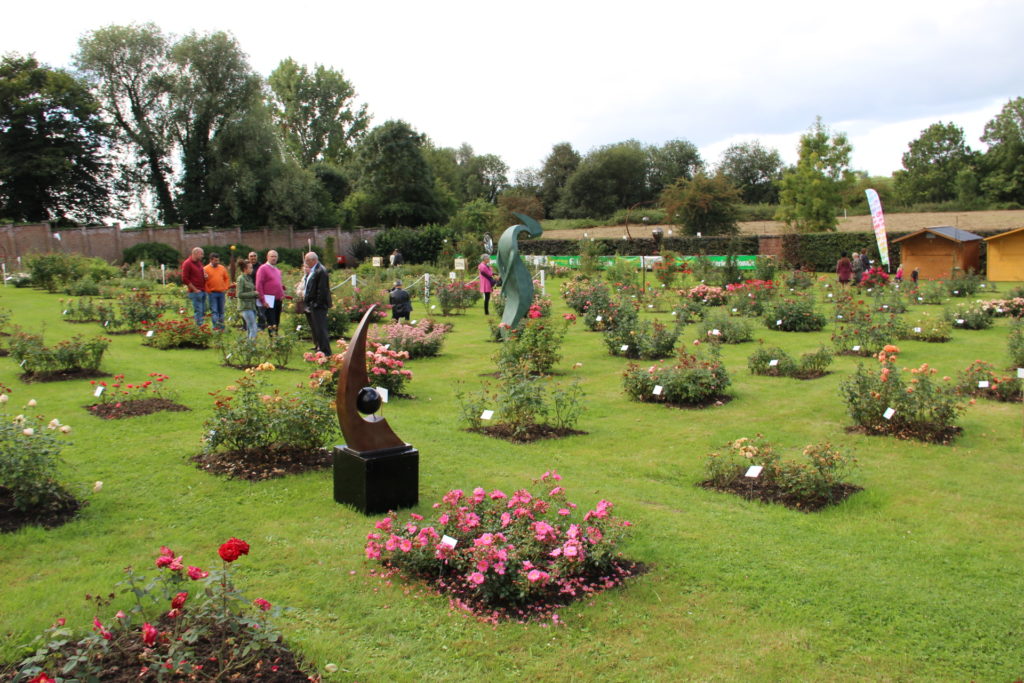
point(268, 284)
point(486, 280)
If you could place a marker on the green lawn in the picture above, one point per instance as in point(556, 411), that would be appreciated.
point(918, 577)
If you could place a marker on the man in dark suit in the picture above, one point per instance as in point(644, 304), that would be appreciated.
point(318, 301)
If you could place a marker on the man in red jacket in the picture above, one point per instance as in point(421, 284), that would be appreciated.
point(194, 277)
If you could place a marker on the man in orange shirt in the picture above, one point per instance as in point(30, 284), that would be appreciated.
point(217, 283)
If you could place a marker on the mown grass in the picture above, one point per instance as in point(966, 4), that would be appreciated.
point(917, 577)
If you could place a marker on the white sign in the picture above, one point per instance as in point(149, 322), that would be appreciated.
point(658, 389)
point(856, 348)
point(99, 391)
point(779, 322)
point(885, 305)
point(298, 328)
point(227, 357)
point(598, 319)
point(773, 362)
point(917, 330)
point(383, 394)
point(270, 299)
point(983, 384)
point(734, 310)
point(460, 264)
point(650, 305)
point(889, 412)
point(715, 332)
point(920, 298)
point(65, 312)
point(414, 322)
point(959, 321)
point(449, 541)
point(487, 415)
point(624, 347)
point(1020, 373)
point(754, 471)
point(451, 275)
point(378, 261)
point(839, 317)
point(150, 333)
point(386, 347)
point(433, 306)
point(105, 323)
point(956, 291)
point(830, 295)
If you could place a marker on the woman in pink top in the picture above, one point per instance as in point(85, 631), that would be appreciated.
point(268, 283)
point(486, 280)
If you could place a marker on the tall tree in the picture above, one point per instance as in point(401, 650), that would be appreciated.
point(705, 204)
point(812, 192)
point(554, 174)
point(932, 163)
point(754, 170)
point(52, 160)
point(316, 113)
point(674, 160)
point(214, 89)
point(609, 178)
point(1003, 162)
point(133, 78)
point(395, 178)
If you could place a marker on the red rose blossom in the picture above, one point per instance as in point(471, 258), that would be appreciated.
point(232, 549)
point(179, 600)
point(149, 634)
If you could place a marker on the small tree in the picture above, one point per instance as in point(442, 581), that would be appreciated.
point(812, 192)
point(708, 205)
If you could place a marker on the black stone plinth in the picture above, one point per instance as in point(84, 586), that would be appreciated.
point(377, 481)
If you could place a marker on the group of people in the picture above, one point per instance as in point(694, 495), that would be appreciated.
point(259, 290)
point(854, 267)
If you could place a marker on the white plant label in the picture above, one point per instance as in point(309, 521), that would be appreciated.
point(99, 391)
point(298, 328)
point(830, 295)
point(920, 298)
point(773, 362)
point(487, 415)
point(734, 310)
point(779, 322)
point(885, 305)
point(754, 471)
point(956, 291)
point(227, 357)
point(917, 330)
point(983, 384)
point(414, 322)
point(624, 347)
point(1020, 373)
point(22, 363)
point(449, 541)
point(383, 394)
point(715, 332)
point(105, 323)
point(386, 347)
point(839, 317)
point(433, 306)
point(650, 305)
point(856, 348)
point(959, 321)
point(658, 389)
point(598, 319)
point(150, 333)
point(889, 412)
point(65, 312)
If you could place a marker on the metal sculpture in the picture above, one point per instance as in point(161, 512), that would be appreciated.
point(516, 282)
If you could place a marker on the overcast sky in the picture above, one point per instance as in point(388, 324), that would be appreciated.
point(515, 78)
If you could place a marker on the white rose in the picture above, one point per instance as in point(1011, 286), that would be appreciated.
point(65, 429)
point(28, 431)
point(3, 398)
point(97, 487)
point(32, 403)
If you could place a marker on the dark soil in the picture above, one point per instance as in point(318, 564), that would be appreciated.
point(943, 436)
point(60, 510)
point(712, 402)
point(142, 406)
point(258, 464)
point(61, 375)
point(4, 353)
point(583, 586)
point(769, 493)
point(534, 433)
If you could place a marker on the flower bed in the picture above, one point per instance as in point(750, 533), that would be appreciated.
point(705, 294)
point(810, 366)
point(724, 329)
point(69, 359)
point(972, 316)
point(506, 556)
point(238, 351)
point(178, 334)
point(185, 624)
point(385, 368)
point(980, 380)
point(928, 328)
point(646, 339)
point(422, 340)
point(118, 399)
point(794, 314)
point(693, 380)
point(817, 482)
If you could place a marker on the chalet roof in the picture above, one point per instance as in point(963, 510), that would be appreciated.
point(946, 231)
point(1004, 234)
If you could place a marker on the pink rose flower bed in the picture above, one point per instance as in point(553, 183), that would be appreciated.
point(507, 556)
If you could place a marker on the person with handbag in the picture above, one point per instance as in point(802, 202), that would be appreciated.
point(487, 281)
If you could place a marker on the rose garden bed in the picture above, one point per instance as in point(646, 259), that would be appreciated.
point(258, 464)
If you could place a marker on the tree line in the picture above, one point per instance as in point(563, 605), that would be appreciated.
point(188, 124)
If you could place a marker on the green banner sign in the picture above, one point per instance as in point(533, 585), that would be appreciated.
point(744, 262)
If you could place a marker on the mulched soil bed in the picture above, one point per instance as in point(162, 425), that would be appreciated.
point(58, 511)
point(767, 493)
point(943, 436)
point(259, 464)
point(4, 353)
point(535, 433)
point(587, 586)
point(712, 402)
point(142, 406)
point(61, 375)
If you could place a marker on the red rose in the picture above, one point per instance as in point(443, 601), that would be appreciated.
point(232, 548)
point(262, 604)
point(149, 634)
point(42, 678)
point(179, 600)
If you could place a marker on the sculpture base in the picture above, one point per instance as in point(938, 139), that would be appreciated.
point(375, 482)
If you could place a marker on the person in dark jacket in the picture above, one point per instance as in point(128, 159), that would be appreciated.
point(318, 301)
point(401, 302)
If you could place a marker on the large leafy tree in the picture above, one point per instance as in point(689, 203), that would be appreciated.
point(1003, 163)
point(609, 178)
point(315, 113)
point(704, 204)
point(932, 163)
point(52, 160)
point(812, 192)
point(394, 179)
point(754, 170)
point(133, 77)
point(554, 174)
point(668, 163)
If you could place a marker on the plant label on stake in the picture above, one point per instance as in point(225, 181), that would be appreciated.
point(298, 328)
point(99, 391)
point(487, 415)
point(624, 347)
point(598, 319)
point(449, 541)
point(959, 321)
point(917, 330)
point(778, 322)
point(983, 384)
point(383, 394)
point(773, 362)
point(754, 471)
point(715, 332)
point(889, 412)
point(149, 333)
point(658, 389)
point(856, 348)
point(1020, 373)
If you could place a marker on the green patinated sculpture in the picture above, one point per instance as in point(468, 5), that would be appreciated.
point(516, 283)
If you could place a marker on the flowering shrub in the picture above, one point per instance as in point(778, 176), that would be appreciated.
point(178, 334)
point(971, 316)
point(138, 307)
point(540, 307)
point(249, 416)
point(355, 301)
point(874, 277)
point(601, 315)
point(69, 355)
point(647, 339)
point(454, 296)
point(582, 293)
point(422, 340)
point(861, 333)
point(889, 300)
point(186, 623)
point(928, 328)
point(385, 368)
point(1015, 344)
point(810, 365)
point(692, 380)
point(799, 279)
point(795, 314)
point(819, 480)
point(750, 297)
point(79, 310)
point(30, 458)
point(238, 351)
point(536, 343)
point(999, 308)
point(979, 379)
point(921, 408)
point(507, 555)
point(963, 284)
point(930, 292)
point(118, 391)
point(724, 329)
point(705, 294)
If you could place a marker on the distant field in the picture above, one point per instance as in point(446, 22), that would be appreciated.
point(896, 222)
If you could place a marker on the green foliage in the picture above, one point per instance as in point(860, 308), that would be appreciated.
point(928, 328)
point(55, 270)
point(422, 340)
point(608, 178)
point(69, 355)
point(153, 253)
point(932, 164)
point(756, 172)
point(179, 334)
point(558, 166)
point(964, 284)
point(812, 192)
point(969, 316)
point(1003, 162)
point(706, 205)
point(980, 380)
point(30, 459)
point(238, 351)
point(455, 297)
point(1015, 344)
point(535, 344)
point(794, 314)
point(810, 365)
point(694, 379)
point(674, 161)
point(720, 328)
point(646, 339)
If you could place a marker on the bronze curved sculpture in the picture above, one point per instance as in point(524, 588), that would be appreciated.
point(516, 282)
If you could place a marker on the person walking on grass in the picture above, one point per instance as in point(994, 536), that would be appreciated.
point(217, 283)
point(194, 277)
point(401, 302)
point(245, 292)
point(270, 291)
point(486, 280)
point(317, 297)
